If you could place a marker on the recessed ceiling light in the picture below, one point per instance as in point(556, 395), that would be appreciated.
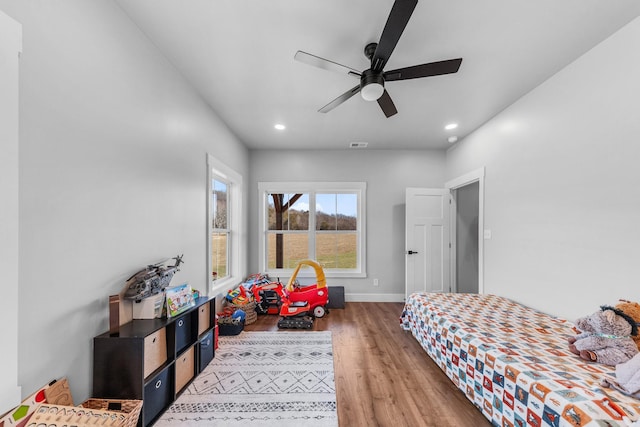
point(280, 126)
point(451, 126)
point(452, 139)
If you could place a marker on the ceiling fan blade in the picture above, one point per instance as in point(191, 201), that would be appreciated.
point(385, 102)
point(325, 64)
point(425, 70)
point(396, 23)
point(339, 100)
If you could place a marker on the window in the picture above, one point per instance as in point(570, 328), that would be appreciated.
point(220, 231)
point(320, 221)
point(225, 263)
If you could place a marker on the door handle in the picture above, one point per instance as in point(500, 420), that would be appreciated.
point(412, 252)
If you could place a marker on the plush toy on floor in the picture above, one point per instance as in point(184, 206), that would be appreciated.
point(631, 309)
point(605, 337)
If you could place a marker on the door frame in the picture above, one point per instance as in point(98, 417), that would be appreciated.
point(10, 50)
point(476, 175)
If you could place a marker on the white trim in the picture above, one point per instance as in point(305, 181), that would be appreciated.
point(467, 178)
point(265, 188)
point(374, 297)
point(476, 175)
point(10, 48)
point(453, 232)
point(235, 224)
point(221, 287)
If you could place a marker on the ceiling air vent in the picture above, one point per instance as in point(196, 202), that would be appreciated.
point(358, 145)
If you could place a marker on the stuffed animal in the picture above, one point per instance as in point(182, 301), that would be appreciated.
point(627, 377)
point(605, 337)
point(631, 309)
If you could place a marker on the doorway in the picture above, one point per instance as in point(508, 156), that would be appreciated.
point(467, 238)
point(467, 232)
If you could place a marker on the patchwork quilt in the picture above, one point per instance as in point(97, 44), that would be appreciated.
point(512, 362)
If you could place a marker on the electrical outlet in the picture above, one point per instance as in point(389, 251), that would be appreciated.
point(375, 282)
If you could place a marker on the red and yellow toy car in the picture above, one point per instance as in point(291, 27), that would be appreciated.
point(301, 304)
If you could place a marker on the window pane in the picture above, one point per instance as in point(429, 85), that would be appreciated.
point(336, 212)
point(288, 211)
point(219, 255)
point(286, 250)
point(337, 250)
point(220, 196)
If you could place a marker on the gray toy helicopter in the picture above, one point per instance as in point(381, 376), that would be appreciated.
point(151, 280)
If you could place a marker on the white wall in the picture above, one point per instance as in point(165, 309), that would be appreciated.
point(10, 45)
point(561, 188)
point(387, 174)
point(113, 147)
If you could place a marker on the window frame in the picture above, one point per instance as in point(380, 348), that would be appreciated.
point(218, 170)
point(313, 188)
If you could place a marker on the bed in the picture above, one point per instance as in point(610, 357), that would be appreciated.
point(512, 362)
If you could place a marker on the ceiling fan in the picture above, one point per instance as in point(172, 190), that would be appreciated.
point(372, 80)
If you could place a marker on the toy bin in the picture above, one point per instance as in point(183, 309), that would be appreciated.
point(106, 412)
point(227, 326)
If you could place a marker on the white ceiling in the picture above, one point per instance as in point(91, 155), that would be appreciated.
point(238, 54)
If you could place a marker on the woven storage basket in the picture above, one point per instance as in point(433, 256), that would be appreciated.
point(248, 308)
point(130, 409)
point(105, 412)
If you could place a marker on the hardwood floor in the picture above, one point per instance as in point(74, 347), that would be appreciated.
point(383, 376)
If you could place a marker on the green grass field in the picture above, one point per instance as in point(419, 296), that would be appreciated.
point(332, 251)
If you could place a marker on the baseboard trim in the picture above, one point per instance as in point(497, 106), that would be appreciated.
point(374, 297)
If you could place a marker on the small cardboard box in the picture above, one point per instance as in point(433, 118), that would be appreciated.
point(149, 308)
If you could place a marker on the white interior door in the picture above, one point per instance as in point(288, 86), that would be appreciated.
point(427, 245)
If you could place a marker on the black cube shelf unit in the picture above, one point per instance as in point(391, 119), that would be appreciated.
point(153, 360)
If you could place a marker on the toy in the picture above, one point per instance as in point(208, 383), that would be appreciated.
point(151, 280)
point(237, 296)
point(631, 309)
point(268, 297)
point(301, 304)
point(605, 337)
point(627, 377)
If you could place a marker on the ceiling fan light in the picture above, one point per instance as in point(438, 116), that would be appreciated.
point(372, 91)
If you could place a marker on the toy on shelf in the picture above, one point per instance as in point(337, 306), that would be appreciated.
point(605, 337)
point(301, 304)
point(179, 299)
point(151, 280)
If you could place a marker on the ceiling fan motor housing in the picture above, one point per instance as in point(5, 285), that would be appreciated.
point(369, 50)
point(371, 85)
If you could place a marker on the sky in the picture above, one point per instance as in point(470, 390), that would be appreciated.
point(345, 204)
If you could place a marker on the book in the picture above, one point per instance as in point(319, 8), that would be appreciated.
point(179, 299)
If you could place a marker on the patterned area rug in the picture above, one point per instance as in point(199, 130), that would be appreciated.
point(262, 379)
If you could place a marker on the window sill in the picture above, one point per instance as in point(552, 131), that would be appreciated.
point(221, 287)
point(310, 274)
